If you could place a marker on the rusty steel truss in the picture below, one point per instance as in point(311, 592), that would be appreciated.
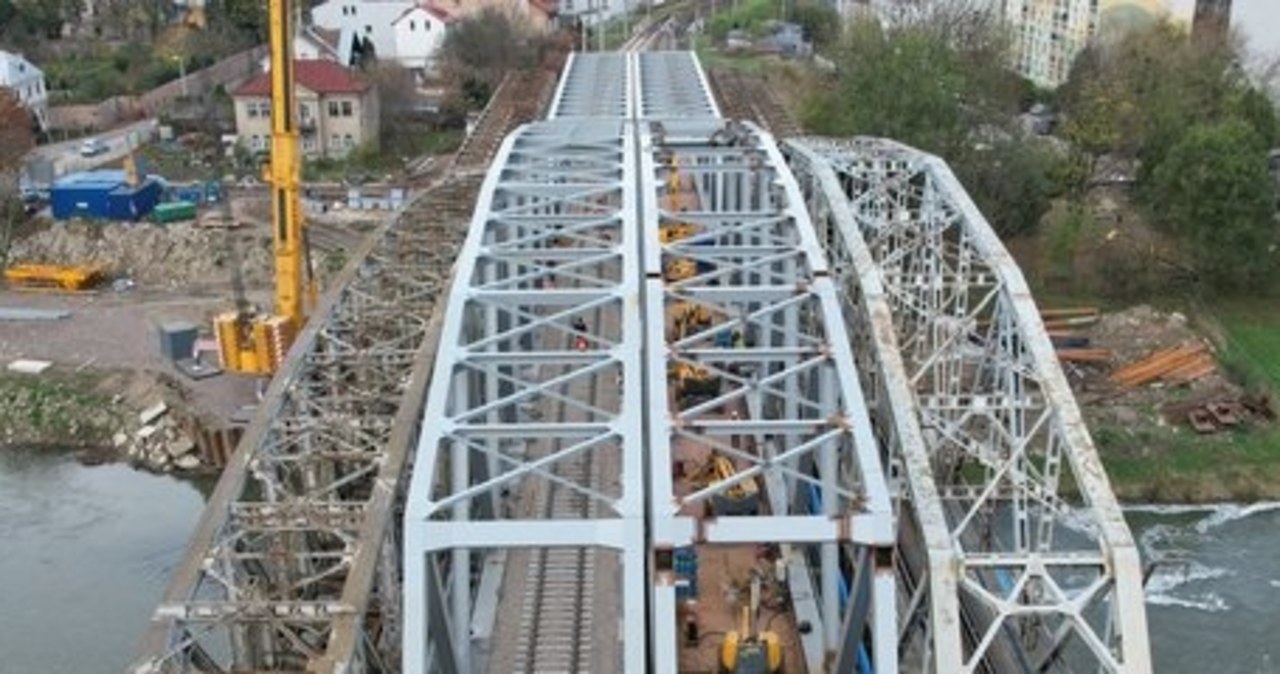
point(293, 567)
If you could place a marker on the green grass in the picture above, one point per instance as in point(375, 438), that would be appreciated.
point(1251, 329)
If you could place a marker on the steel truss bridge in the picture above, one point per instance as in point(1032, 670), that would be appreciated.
point(925, 470)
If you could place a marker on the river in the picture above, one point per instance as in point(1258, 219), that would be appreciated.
point(85, 553)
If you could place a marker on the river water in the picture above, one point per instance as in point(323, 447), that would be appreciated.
point(85, 553)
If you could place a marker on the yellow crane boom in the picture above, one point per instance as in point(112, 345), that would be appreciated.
point(257, 344)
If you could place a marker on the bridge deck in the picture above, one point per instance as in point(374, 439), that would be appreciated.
point(864, 355)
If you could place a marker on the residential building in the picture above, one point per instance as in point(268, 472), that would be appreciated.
point(371, 20)
point(1212, 19)
point(419, 32)
point(1048, 35)
point(313, 43)
point(538, 14)
point(337, 110)
point(27, 81)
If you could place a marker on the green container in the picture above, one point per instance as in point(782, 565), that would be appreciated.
point(174, 212)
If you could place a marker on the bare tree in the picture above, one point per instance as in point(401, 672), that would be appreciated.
point(16, 139)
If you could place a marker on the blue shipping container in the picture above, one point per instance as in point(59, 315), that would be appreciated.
point(102, 195)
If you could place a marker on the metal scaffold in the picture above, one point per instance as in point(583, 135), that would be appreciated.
point(1044, 571)
point(292, 567)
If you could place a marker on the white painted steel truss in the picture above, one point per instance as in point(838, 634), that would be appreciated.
point(786, 407)
point(537, 388)
point(1045, 571)
point(594, 85)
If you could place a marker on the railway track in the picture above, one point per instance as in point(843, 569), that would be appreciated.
point(556, 619)
point(748, 97)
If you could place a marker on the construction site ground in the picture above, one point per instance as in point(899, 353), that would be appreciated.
point(109, 338)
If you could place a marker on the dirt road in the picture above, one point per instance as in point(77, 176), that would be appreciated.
point(119, 331)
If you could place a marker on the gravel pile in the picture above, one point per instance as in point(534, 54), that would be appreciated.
point(173, 256)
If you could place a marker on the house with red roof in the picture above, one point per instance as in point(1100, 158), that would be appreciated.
point(337, 110)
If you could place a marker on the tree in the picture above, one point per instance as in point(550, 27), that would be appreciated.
point(820, 22)
point(929, 83)
point(484, 47)
point(940, 84)
point(45, 17)
point(1012, 182)
point(15, 140)
point(1213, 189)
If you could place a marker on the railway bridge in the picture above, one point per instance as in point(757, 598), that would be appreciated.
point(670, 383)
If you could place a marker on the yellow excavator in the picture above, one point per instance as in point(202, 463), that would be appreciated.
point(749, 651)
point(251, 342)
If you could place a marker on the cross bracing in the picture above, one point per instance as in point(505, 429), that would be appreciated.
point(535, 393)
point(1045, 572)
point(789, 409)
point(918, 457)
point(293, 566)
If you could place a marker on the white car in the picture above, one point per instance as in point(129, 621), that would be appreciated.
point(91, 147)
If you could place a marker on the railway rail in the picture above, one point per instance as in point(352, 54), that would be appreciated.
point(748, 97)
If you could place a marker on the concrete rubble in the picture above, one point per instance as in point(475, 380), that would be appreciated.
point(173, 256)
point(159, 444)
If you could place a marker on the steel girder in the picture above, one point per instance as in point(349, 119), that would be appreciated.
point(789, 409)
point(672, 85)
point(292, 566)
point(594, 85)
point(554, 241)
point(1048, 574)
point(926, 558)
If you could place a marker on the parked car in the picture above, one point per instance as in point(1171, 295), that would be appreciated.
point(91, 147)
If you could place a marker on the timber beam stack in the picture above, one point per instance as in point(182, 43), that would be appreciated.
point(1180, 364)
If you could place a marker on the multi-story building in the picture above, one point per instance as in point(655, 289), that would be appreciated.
point(410, 31)
point(337, 110)
point(371, 20)
point(1212, 19)
point(312, 43)
point(1048, 35)
point(27, 82)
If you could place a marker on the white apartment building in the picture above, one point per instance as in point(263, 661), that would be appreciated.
point(371, 19)
point(27, 81)
point(1048, 35)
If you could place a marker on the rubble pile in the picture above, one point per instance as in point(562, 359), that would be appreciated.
point(158, 443)
point(173, 256)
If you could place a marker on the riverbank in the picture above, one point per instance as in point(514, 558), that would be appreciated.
point(141, 417)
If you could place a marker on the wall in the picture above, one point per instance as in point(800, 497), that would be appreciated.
point(229, 73)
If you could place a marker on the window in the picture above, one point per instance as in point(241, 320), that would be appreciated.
point(413, 25)
point(340, 109)
point(333, 141)
point(368, 29)
point(251, 109)
point(348, 142)
point(304, 111)
point(309, 144)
